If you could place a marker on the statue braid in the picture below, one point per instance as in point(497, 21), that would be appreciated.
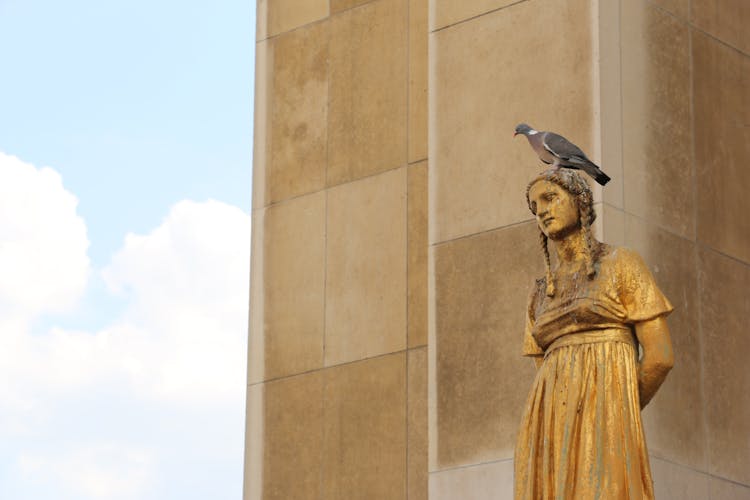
point(550, 280)
point(585, 210)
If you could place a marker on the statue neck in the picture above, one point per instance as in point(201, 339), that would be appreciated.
point(571, 248)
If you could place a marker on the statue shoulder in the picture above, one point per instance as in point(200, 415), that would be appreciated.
point(627, 269)
point(622, 256)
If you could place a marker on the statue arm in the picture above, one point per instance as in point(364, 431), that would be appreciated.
point(657, 358)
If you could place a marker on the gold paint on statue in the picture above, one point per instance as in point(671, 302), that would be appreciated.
point(581, 435)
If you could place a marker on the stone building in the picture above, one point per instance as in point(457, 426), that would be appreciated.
point(393, 251)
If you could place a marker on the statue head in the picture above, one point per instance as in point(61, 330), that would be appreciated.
point(574, 186)
point(562, 203)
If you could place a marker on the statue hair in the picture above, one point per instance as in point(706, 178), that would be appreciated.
point(574, 184)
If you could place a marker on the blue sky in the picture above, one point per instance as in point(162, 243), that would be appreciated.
point(125, 181)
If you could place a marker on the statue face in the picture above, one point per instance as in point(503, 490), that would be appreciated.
point(556, 209)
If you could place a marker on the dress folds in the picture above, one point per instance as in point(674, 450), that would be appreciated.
point(581, 435)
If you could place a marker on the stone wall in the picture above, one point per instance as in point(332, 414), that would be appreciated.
point(337, 383)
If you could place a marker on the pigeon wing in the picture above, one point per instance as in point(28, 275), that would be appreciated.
point(561, 147)
point(571, 156)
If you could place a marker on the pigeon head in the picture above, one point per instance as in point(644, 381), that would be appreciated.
point(524, 129)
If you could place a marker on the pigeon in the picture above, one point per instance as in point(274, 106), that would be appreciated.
point(559, 152)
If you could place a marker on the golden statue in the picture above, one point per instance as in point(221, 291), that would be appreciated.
point(581, 435)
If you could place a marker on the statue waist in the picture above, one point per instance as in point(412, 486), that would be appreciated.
point(624, 335)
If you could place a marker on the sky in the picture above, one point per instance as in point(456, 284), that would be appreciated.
point(125, 181)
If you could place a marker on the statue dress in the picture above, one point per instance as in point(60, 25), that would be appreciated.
point(581, 435)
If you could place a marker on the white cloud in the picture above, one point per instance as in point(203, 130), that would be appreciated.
point(103, 470)
point(188, 280)
point(177, 351)
point(43, 242)
point(43, 268)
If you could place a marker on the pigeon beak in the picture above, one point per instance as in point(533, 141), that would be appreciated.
point(515, 134)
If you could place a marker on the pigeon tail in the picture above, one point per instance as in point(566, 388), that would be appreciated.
point(589, 167)
point(601, 177)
